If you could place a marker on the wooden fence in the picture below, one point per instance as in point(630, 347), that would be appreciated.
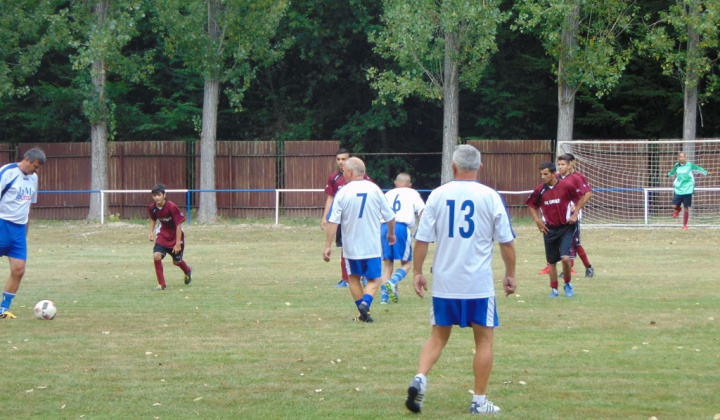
point(508, 165)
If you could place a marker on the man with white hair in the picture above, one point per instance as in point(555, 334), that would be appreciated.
point(464, 218)
point(359, 208)
point(18, 189)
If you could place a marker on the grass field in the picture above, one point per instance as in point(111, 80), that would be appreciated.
point(262, 334)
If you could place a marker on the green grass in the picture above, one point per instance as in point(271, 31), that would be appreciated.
point(261, 333)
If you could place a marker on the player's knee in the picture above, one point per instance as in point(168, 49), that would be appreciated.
point(157, 256)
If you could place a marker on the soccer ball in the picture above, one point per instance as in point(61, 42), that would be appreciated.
point(45, 309)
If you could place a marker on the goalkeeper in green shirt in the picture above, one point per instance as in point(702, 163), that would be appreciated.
point(684, 186)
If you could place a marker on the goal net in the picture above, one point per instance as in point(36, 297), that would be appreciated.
point(631, 186)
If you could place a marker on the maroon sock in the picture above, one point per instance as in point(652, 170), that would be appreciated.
point(184, 267)
point(686, 216)
point(567, 278)
point(159, 272)
point(554, 284)
point(583, 256)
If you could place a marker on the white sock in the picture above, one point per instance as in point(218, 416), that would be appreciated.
point(422, 378)
point(479, 399)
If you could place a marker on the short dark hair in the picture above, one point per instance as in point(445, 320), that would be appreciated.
point(548, 165)
point(342, 151)
point(566, 157)
point(571, 156)
point(158, 189)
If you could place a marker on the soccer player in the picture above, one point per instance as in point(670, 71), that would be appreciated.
point(464, 217)
point(18, 189)
point(358, 208)
point(565, 171)
point(169, 237)
point(555, 198)
point(684, 186)
point(407, 205)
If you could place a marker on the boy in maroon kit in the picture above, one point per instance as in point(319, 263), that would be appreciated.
point(170, 236)
point(555, 197)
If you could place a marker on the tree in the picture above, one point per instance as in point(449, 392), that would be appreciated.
point(437, 46)
point(224, 41)
point(685, 40)
point(585, 37)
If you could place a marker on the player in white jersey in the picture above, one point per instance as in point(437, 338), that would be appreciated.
point(359, 208)
point(407, 205)
point(464, 218)
point(18, 189)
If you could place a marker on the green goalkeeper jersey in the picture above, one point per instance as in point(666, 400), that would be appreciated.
point(685, 181)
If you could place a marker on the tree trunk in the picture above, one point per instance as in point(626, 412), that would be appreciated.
point(99, 127)
point(451, 107)
point(566, 91)
point(691, 86)
point(208, 202)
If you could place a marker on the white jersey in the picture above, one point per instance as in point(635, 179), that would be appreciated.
point(18, 192)
point(464, 218)
point(358, 207)
point(406, 203)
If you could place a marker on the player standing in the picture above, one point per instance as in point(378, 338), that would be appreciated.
point(18, 189)
point(358, 209)
point(684, 186)
point(464, 217)
point(170, 236)
point(407, 205)
point(555, 198)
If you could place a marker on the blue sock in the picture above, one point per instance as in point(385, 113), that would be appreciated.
point(358, 302)
point(368, 300)
point(399, 275)
point(6, 301)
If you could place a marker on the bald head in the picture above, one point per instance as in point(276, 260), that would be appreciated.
point(403, 180)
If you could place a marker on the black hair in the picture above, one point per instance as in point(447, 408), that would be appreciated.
point(342, 151)
point(158, 189)
point(566, 157)
point(548, 165)
point(570, 155)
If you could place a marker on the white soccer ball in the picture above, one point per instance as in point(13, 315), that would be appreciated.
point(45, 309)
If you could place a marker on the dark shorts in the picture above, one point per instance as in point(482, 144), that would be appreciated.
point(559, 242)
point(338, 237)
point(684, 199)
point(176, 257)
point(576, 235)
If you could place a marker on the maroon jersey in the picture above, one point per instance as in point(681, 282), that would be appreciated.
point(555, 202)
point(578, 181)
point(337, 181)
point(170, 218)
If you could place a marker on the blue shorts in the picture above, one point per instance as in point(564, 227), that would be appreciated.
point(402, 250)
point(463, 312)
point(13, 242)
point(371, 268)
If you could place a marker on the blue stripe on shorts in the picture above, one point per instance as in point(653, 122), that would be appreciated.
point(463, 312)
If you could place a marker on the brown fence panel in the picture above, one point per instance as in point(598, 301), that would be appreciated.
point(513, 165)
point(67, 169)
point(138, 165)
point(307, 165)
point(243, 165)
point(7, 154)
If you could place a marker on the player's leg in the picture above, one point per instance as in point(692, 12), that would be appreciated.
point(676, 205)
point(387, 264)
point(552, 256)
point(355, 270)
point(159, 253)
point(343, 267)
point(566, 243)
point(482, 366)
point(178, 261)
point(13, 243)
point(17, 270)
point(429, 355)
point(687, 203)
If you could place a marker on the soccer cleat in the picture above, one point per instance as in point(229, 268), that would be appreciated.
point(676, 213)
point(569, 291)
point(7, 315)
point(562, 275)
point(359, 318)
point(685, 227)
point(416, 395)
point(487, 408)
point(545, 270)
point(364, 312)
point(554, 293)
point(392, 291)
point(341, 284)
point(589, 272)
point(188, 276)
point(158, 288)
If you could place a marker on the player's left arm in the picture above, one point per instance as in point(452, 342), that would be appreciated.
point(507, 250)
point(391, 232)
point(330, 231)
point(700, 169)
point(419, 253)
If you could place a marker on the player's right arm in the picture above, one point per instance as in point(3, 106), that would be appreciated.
point(151, 236)
point(507, 250)
point(536, 217)
point(419, 281)
point(328, 203)
point(674, 169)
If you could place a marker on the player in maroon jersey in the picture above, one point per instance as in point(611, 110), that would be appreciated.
point(169, 237)
point(554, 198)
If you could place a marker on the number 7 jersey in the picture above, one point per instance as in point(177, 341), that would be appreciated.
point(464, 218)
